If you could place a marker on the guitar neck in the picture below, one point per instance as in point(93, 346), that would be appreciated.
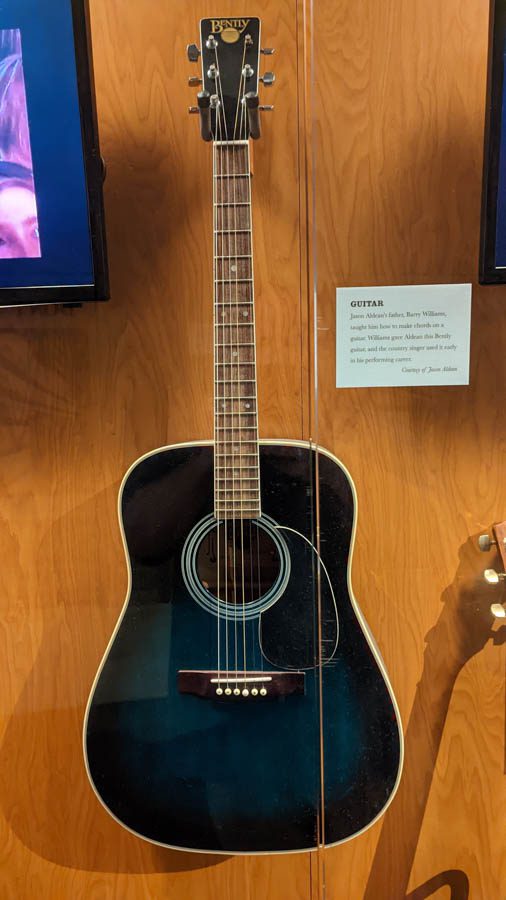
point(237, 477)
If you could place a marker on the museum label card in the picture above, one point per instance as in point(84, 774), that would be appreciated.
point(403, 335)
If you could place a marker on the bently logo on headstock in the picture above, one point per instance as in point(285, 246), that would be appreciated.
point(229, 29)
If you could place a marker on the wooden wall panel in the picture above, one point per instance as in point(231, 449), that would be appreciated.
point(84, 393)
point(400, 90)
point(399, 111)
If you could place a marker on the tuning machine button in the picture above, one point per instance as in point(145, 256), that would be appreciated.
point(268, 78)
point(493, 577)
point(485, 542)
point(193, 53)
point(498, 611)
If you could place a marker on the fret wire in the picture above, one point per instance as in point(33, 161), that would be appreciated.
point(250, 489)
point(247, 478)
point(239, 468)
point(235, 506)
point(238, 203)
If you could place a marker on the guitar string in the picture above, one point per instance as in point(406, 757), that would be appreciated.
point(254, 428)
point(236, 417)
point(221, 392)
point(243, 163)
point(216, 400)
point(243, 155)
point(257, 446)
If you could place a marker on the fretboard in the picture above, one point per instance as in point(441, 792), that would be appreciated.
point(236, 464)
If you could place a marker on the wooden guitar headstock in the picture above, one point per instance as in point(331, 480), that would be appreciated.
point(228, 103)
point(491, 576)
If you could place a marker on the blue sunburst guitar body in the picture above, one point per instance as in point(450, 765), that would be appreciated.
point(230, 774)
point(241, 706)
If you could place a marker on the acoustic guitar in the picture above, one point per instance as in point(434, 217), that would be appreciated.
point(242, 705)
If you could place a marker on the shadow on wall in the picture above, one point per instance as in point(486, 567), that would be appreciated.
point(462, 630)
point(457, 881)
point(44, 790)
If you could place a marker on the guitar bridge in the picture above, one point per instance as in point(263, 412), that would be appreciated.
point(240, 685)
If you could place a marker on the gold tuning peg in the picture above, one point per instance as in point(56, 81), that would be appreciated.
point(498, 611)
point(493, 577)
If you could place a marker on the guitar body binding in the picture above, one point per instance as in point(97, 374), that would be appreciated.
point(240, 774)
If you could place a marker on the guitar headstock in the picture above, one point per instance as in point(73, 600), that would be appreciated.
point(228, 103)
point(491, 576)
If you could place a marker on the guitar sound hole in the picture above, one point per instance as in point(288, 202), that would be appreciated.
point(240, 564)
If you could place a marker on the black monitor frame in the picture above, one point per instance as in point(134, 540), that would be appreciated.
point(94, 173)
point(489, 272)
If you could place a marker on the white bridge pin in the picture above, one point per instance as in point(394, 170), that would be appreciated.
point(219, 691)
point(245, 692)
point(254, 692)
point(236, 692)
point(228, 691)
point(263, 692)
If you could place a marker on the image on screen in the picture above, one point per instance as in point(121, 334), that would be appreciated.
point(19, 227)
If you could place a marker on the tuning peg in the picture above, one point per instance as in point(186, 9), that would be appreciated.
point(204, 102)
point(268, 78)
point(493, 577)
point(498, 611)
point(193, 53)
point(267, 51)
point(252, 107)
point(485, 542)
point(194, 81)
point(266, 108)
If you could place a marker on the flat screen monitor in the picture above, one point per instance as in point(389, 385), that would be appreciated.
point(52, 232)
point(493, 220)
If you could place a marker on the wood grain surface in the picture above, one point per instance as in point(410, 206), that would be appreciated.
point(399, 105)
